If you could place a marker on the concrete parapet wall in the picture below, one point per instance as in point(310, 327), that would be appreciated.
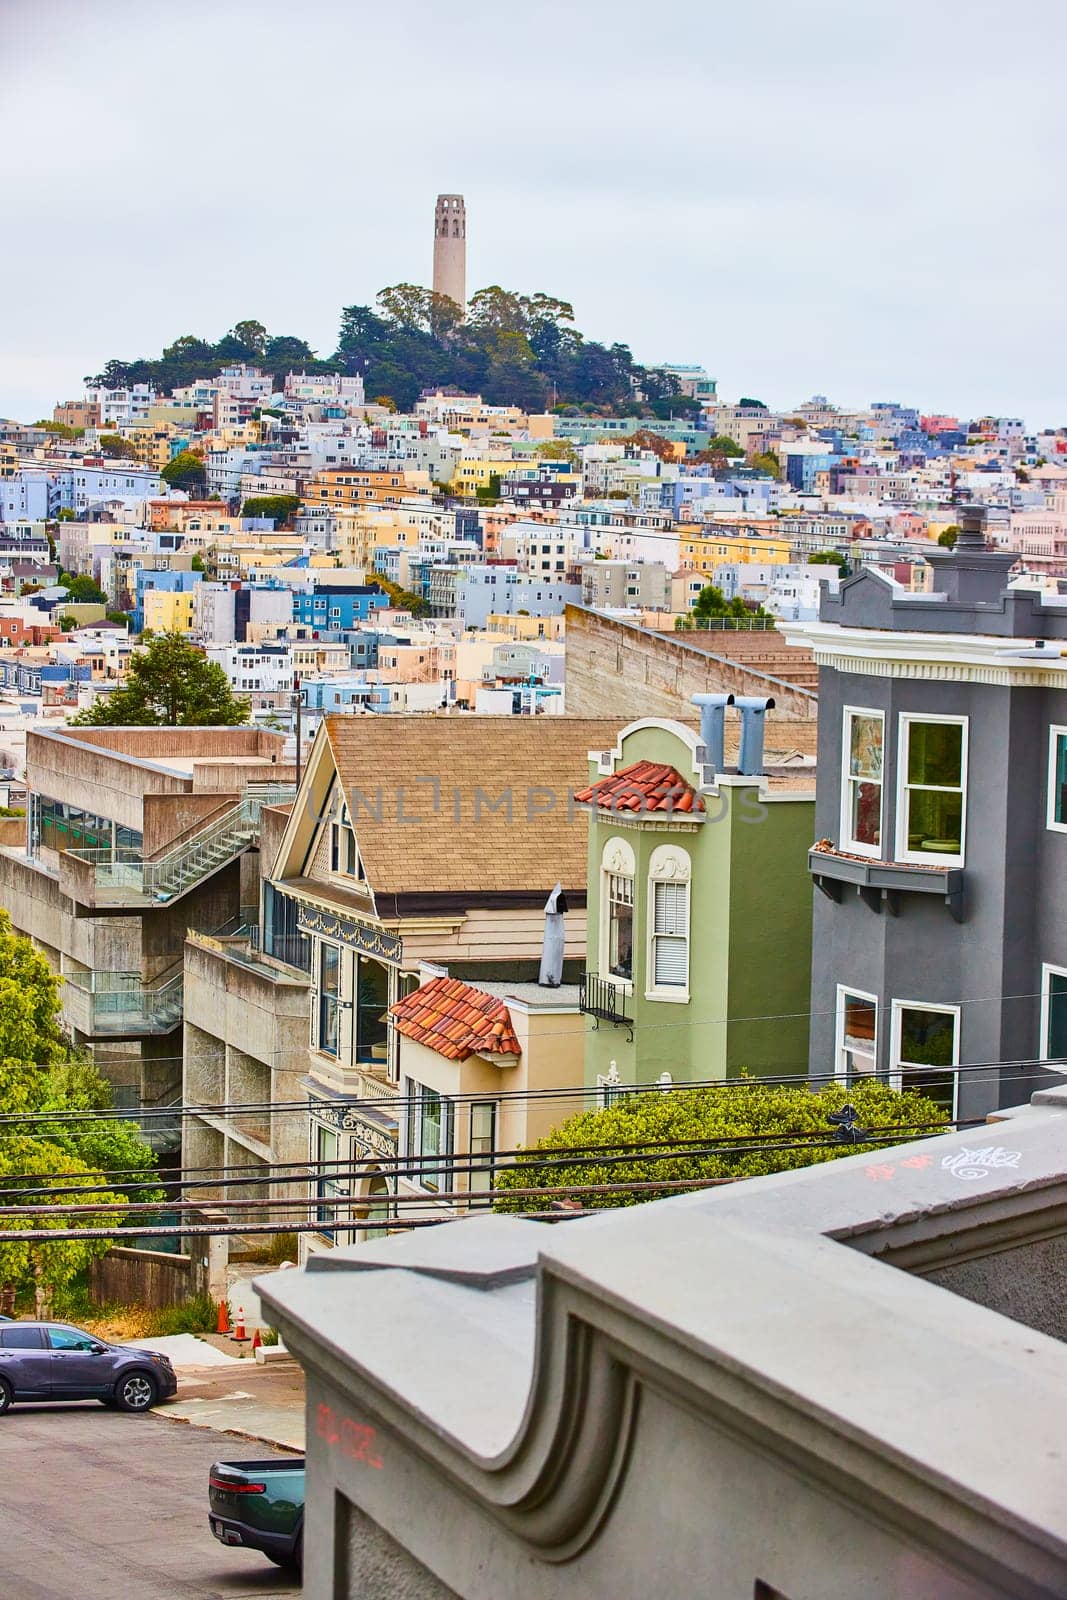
point(615, 669)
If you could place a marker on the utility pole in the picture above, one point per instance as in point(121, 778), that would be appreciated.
point(299, 727)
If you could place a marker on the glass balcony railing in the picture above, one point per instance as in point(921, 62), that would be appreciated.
point(125, 877)
point(123, 1004)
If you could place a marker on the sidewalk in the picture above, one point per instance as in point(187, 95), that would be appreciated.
point(263, 1404)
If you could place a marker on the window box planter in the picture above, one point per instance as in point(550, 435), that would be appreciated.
point(880, 884)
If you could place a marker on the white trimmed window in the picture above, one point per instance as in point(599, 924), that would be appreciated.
point(1057, 779)
point(926, 1050)
point(857, 1035)
point(617, 869)
point(862, 806)
point(932, 790)
point(1053, 1013)
point(667, 976)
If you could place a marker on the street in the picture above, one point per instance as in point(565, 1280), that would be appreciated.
point(98, 1505)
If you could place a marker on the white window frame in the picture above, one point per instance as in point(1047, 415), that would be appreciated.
point(897, 1073)
point(875, 851)
point(1056, 731)
point(617, 860)
point(657, 873)
point(843, 989)
point(1049, 969)
point(928, 858)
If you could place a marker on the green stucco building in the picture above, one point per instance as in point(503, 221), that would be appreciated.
point(700, 911)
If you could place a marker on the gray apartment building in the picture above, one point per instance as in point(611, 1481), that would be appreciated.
point(613, 585)
point(940, 948)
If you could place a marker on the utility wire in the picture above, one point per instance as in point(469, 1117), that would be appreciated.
point(908, 1072)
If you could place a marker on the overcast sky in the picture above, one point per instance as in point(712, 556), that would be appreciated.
point(861, 198)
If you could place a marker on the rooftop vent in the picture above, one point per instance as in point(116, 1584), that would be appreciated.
point(712, 727)
point(753, 709)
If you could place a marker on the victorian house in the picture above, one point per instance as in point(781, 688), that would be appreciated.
point(418, 848)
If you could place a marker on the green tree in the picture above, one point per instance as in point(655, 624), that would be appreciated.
point(763, 1128)
point(282, 507)
point(82, 590)
point(828, 558)
point(185, 471)
point(62, 430)
point(753, 405)
point(169, 684)
point(252, 335)
point(113, 444)
point(197, 563)
point(766, 461)
point(948, 536)
point(67, 622)
point(723, 445)
point(49, 1151)
point(557, 450)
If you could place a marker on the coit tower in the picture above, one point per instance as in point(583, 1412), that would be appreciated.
point(450, 248)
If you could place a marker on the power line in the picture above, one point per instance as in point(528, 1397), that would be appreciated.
point(554, 1155)
point(908, 1072)
point(463, 1163)
point(580, 1029)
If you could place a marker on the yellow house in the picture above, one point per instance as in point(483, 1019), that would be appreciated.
point(165, 612)
point(525, 627)
point(472, 473)
point(714, 548)
point(477, 1065)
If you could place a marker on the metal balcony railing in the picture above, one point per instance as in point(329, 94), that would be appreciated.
point(598, 997)
point(125, 877)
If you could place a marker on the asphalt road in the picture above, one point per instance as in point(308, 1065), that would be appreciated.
point(97, 1505)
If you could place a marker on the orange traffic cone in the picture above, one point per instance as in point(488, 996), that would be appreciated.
point(257, 1340)
point(239, 1334)
point(224, 1318)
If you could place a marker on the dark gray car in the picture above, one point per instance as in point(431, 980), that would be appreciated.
point(55, 1361)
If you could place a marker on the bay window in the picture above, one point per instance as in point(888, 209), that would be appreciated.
point(329, 998)
point(1057, 779)
point(667, 975)
point(932, 801)
point(1053, 1013)
point(861, 787)
point(670, 936)
point(618, 866)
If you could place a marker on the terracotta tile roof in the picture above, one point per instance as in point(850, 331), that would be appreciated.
point(645, 786)
point(456, 1020)
point(447, 804)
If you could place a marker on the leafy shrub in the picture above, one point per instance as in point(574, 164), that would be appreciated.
point(199, 1315)
point(769, 1124)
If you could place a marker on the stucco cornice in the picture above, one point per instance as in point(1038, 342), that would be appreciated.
point(945, 657)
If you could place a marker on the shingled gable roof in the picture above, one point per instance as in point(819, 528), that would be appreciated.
point(454, 805)
point(457, 1020)
point(644, 786)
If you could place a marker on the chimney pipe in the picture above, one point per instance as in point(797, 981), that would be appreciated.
point(551, 973)
point(753, 709)
point(712, 727)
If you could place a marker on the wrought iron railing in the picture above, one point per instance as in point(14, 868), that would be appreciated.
point(598, 997)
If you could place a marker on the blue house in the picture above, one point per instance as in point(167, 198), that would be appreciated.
point(335, 609)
